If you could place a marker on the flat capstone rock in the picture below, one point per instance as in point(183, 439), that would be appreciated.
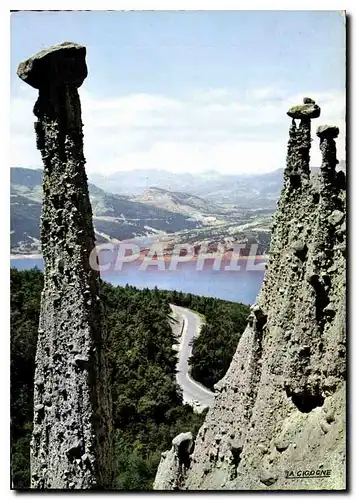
point(59, 65)
point(304, 111)
point(330, 131)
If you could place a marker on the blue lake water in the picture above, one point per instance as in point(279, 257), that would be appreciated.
point(237, 286)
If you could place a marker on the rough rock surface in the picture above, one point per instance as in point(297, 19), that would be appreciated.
point(327, 130)
point(71, 443)
point(56, 66)
point(307, 110)
point(280, 409)
point(176, 461)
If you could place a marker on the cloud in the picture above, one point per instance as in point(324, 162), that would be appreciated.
point(213, 129)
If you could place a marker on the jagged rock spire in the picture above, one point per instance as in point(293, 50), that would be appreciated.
point(70, 445)
point(300, 142)
point(327, 134)
point(280, 408)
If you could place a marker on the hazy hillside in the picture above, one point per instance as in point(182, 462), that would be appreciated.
point(25, 218)
point(115, 216)
point(189, 217)
point(184, 203)
point(207, 208)
point(249, 191)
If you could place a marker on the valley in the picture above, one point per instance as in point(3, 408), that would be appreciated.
point(168, 216)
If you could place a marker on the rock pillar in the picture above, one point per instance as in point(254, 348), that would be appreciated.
point(297, 167)
point(280, 408)
point(71, 445)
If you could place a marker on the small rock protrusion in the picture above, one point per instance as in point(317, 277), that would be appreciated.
point(308, 100)
point(258, 315)
point(329, 310)
point(325, 427)
point(263, 449)
point(329, 131)
point(342, 228)
point(281, 444)
point(300, 249)
point(287, 335)
point(185, 441)
point(330, 416)
point(267, 477)
point(75, 450)
point(81, 361)
point(336, 217)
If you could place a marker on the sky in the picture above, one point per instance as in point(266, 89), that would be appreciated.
point(188, 91)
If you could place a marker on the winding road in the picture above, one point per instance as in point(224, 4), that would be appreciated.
point(194, 393)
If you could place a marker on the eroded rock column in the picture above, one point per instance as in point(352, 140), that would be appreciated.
point(71, 444)
point(297, 167)
point(327, 135)
point(280, 408)
point(331, 251)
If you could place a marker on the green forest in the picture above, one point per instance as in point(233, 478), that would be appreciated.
point(147, 403)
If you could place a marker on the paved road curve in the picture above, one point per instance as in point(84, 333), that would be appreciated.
point(192, 391)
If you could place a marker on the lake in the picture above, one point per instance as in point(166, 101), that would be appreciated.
point(237, 286)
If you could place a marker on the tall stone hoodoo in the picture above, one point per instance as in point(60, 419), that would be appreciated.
point(71, 444)
point(278, 418)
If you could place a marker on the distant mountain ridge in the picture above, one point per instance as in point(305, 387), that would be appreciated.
point(116, 217)
point(179, 202)
point(240, 189)
point(210, 207)
point(244, 190)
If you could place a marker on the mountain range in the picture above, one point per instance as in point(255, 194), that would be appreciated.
point(246, 191)
point(116, 217)
point(208, 207)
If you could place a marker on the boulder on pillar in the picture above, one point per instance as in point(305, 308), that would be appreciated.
point(62, 64)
